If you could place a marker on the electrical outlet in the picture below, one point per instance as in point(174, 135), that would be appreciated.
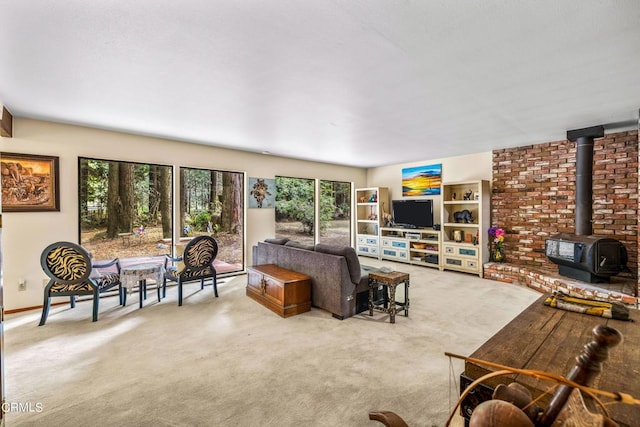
point(22, 285)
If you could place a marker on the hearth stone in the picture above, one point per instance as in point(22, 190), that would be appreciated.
point(621, 289)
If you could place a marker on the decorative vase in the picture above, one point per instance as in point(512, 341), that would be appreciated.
point(497, 255)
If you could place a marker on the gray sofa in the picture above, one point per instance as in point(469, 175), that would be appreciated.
point(338, 284)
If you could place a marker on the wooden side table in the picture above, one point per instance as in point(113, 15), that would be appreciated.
point(391, 280)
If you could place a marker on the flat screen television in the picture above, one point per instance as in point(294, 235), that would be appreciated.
point(413, 213)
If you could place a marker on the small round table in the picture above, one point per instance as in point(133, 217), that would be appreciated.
point(138, 274)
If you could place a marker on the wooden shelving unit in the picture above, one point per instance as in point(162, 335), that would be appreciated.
point(419, 246)
point(369, 207)
point(465, 220)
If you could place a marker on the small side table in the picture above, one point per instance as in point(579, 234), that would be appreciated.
point(138, 274)
point(391, 280)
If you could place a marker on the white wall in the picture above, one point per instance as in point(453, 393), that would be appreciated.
point(454, 169)
point(26, 234)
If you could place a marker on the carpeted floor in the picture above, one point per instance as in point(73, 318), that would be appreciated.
point(231, 362)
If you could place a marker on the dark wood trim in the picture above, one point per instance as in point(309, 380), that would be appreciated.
point(39, 307)
point(34, 307)
point(6, 125)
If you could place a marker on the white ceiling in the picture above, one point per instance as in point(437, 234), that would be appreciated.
point(355, 82)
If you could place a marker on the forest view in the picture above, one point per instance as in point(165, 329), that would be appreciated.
point(126, 210)
point(295, 210)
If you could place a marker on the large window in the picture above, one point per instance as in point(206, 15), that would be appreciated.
point(125, 208)
point(335, 213)
point(295, 209)
point(212, 203)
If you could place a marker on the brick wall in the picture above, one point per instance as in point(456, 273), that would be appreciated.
point(533, 195)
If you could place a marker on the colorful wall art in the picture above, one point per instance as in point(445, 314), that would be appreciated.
point(422, 180)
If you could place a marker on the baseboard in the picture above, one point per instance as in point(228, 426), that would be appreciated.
point(88, 298)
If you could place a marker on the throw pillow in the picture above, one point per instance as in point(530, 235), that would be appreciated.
point(353, 263)
point(296, 244)
point(277, 240)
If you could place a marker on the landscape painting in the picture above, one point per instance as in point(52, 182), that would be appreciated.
point(422, 180)
point(29, 183)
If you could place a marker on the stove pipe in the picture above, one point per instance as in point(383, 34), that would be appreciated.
point(584, 176)
point(581, 255)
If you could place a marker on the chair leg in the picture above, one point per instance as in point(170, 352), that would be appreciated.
point(158, 289)
point(179, 292)
point(120, 295)
point(45, 309)
point(202, 284)
point(72, 298)
point(215, 285)
point(96, 303)
point(164, 287)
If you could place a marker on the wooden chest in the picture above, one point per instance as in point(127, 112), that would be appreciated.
point(282, 291)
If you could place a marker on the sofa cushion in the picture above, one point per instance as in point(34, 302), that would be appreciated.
point(299, 245)
point(349, 254)
point(277, 240)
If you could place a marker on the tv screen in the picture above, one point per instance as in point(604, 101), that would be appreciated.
point(413, 213)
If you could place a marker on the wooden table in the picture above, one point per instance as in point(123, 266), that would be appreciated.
point(391, 280)
point(550, 339)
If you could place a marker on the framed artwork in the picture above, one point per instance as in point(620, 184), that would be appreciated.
point(422, 180)
point(30, 183)
point(262, 193)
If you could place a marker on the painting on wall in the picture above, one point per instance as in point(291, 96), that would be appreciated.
point(29, 183)
point(422, 180)
point(262, 193)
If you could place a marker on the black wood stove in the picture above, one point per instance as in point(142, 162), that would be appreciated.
point(587, 258)
point(582, 255)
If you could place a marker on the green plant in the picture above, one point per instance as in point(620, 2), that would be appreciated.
point(201, 221)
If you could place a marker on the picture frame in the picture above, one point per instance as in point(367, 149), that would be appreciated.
point(422, 180)
point(30, 182)
point(262, 193)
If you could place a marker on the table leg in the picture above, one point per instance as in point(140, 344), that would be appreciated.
point(392, 303)
point(124, 297)
point(141, 290)
point(371, 284)
point(406, 298)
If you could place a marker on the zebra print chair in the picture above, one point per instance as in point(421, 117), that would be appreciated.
point(71, 273)
point(198, 259)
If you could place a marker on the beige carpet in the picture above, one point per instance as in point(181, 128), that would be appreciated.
point(231, 362)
